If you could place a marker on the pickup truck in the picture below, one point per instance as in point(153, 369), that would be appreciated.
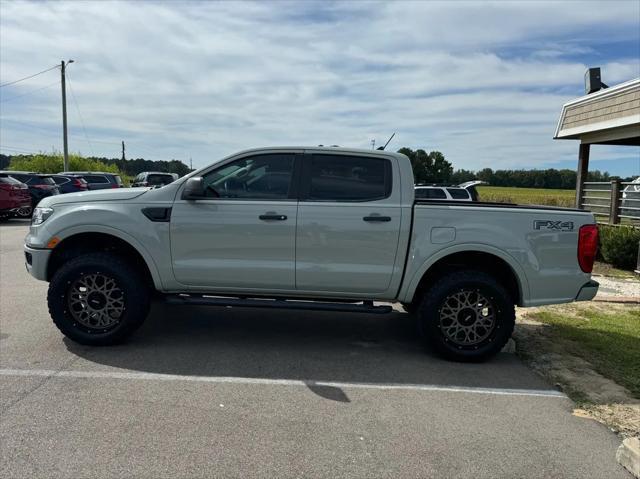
point(331, 229)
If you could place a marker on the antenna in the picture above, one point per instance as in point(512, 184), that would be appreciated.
point(385, 145)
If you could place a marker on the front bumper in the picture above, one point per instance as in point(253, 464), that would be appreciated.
point(14, 209)
point(36, 261)
point(588, 291)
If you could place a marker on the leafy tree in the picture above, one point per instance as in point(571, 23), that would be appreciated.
point(428, 167)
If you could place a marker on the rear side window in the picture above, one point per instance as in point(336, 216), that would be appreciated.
point(349, 178)
point(458, 193)
point(431, 193)
point(95, 179)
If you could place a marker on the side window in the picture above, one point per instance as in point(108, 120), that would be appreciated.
point(95, 179)
point(458, 193)
point(261, 177)
point(431, 194)
point(421, 193)
point(349, 178)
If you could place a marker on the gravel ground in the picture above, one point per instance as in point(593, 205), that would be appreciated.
point(629, 288)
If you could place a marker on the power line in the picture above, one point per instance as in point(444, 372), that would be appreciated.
point(16, 149)
point(30, 76)
point(30, 92)
point(73, 95)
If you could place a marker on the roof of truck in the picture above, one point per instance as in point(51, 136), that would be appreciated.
point(324, 149)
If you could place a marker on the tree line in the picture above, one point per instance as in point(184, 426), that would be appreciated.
point(52, 163)
point(433, 167)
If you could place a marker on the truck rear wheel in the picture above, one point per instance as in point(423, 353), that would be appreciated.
point(98, 299)
point(467, 316)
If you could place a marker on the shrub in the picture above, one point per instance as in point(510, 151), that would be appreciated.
point(52, 163)
point(619, 245)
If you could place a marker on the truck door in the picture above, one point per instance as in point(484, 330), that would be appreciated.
point(242, 235)
point(348, 224)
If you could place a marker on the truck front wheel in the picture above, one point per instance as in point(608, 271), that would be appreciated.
point(467, 316)
point(98, 299)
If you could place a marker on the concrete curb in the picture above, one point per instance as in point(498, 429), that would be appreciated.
point(628, 455)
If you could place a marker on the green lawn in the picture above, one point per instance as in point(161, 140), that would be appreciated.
point(532, 196)
point(608, 339)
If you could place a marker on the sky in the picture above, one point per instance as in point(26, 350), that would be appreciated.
point(483, 82)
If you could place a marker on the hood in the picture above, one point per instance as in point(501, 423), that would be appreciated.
point(119, 194)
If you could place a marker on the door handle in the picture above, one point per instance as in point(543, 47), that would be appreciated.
point(272, 217)
point(380, 219)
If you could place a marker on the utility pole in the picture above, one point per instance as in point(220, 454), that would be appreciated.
point(373, 144)
point(64, 116)
point(123, 157)
point(190, 163)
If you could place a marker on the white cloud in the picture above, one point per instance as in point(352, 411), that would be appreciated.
point(482, 82)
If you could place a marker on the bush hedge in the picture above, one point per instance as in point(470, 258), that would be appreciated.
point(619, 245)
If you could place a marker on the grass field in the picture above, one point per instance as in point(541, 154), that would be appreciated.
point(607, 339)
point(530, 196)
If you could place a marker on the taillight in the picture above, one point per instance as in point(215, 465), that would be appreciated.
point(115, 185)
point(587, 247)
point(79, 184)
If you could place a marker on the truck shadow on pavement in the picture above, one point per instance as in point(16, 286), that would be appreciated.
point(293, 345)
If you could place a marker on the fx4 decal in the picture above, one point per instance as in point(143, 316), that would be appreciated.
point(553, 225)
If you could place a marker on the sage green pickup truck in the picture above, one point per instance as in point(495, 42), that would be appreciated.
point(331, 229)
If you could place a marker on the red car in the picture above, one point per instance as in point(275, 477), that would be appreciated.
point(14, 197)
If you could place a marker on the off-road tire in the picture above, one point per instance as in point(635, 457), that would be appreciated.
point(451, 284)
point(136, 295)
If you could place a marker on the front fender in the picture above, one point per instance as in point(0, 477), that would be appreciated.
point(410, 285)
point(124, 236)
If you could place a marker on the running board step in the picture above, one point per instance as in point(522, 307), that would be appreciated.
point(203, 300)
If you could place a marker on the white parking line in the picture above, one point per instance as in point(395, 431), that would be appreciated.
point(50, 373)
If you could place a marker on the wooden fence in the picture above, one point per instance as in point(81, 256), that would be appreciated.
point(613, 202)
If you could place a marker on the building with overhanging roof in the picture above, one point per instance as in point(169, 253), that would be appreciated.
point(608, 116)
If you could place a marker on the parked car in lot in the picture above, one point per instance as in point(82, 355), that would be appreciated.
point(463, 192)
point(330, 229)
point(155, 179)
point(14, 196)
point(70, 183)
point(630, 204)
point(40, 186)
point(97, 180)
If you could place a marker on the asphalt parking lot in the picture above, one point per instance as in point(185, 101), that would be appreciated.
point(214, 392)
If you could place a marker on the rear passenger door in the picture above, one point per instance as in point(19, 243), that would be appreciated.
point(348, 224)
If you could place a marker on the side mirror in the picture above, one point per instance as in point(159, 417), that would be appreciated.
point(194, 189)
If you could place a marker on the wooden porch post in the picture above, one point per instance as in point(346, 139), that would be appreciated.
point(583, 169)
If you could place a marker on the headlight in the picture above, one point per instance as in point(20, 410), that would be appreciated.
point(40, 215)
